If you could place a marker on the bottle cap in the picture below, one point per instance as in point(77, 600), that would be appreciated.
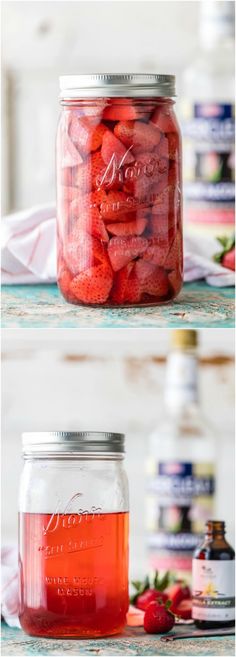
point(98, 85)
point(184, 338)
point(72, 442)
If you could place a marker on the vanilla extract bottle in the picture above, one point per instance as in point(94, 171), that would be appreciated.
point(181, 465)
point(213, 580)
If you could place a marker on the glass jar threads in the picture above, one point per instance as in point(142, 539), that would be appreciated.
point(119, 198)
point(73, 535)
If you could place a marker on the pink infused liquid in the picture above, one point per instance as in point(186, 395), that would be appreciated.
point(73, 574)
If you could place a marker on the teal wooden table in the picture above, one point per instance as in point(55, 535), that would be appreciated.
point(132, 642)
point(42, 306)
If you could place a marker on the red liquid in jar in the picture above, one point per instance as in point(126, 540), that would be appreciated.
point(119, 202)
point(74, 574)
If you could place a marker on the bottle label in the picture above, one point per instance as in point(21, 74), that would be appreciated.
point(179, 502)
point(208, 130)
point(213, 590)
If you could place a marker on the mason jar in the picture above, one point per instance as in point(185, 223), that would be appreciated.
point(73, 535)
point(119, 190)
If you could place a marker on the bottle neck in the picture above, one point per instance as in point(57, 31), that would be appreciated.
point(181, 389)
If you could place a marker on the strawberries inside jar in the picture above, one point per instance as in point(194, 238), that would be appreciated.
point(119, 197)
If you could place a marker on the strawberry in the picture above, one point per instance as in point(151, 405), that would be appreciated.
point(133, 288)
point(82, 251)
point(135, 227)
point(86, 135)
point(114, 206)
point(178, 592)
point(184, 609)
point(227, 255)
point(68, 192)
point(151, 595)
point(153, 278)
point(157, 250)
point(228, 260)
point(64, 279)
point(176, 280)
point(113, 147)
point(119, 283)
point(163, 201)
point(125, 109)
point(174, 257)
point(93, 285)
point(84, 202)
point(141, 136)
point(160, 224)
point(94, 107)
point(173, 145)
point(164, 119)
point(87, 174)
point(158, 619)
point(91, 222)
point(122, 250)
point(70, 155)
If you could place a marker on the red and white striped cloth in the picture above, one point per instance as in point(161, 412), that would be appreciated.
point(29, 251)
point(9, 585)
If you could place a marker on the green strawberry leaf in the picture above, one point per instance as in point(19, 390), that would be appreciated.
point(228, 243)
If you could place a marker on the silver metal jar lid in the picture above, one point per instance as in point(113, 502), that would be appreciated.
point(111, 85)
point(72, 441)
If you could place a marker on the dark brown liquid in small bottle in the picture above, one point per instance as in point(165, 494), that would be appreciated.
point(214, 548)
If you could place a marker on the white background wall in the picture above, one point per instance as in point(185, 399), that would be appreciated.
point(42, 40)
point(109, 380)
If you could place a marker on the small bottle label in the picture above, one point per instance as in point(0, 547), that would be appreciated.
point(208, 130)
point(213, 590)
point(180, 500)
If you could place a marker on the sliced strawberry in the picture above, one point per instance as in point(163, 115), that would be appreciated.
point(135, 227)
point(134, 617)
point(141, 136)
point(133, 289)
point(120, 282)
point(114, 206)
point(184, 609)
point(70, 156)
point(82, 251)
point(84, 202)
point(174, 256)
point(113, 148)
point(124, 109)
point(164, 119)
point(94, 107)
point(160, 224)
point(153, 279)
point(85, 134)
point(176, 280)
point(165, 200)
point(91, 222)
point(89, 173)
point(157, 250)
point(68, 192)
point(93, 285)
point(122, 250)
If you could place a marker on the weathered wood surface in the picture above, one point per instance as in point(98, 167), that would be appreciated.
point(132, 642)
point(42, 306)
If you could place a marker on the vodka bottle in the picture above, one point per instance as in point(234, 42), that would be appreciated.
point(207, 117)
point(180, 466)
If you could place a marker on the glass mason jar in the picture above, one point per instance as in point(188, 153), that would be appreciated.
point(119, 196)
point(73, 535)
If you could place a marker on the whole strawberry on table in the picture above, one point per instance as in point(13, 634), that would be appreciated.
point(158, 603)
